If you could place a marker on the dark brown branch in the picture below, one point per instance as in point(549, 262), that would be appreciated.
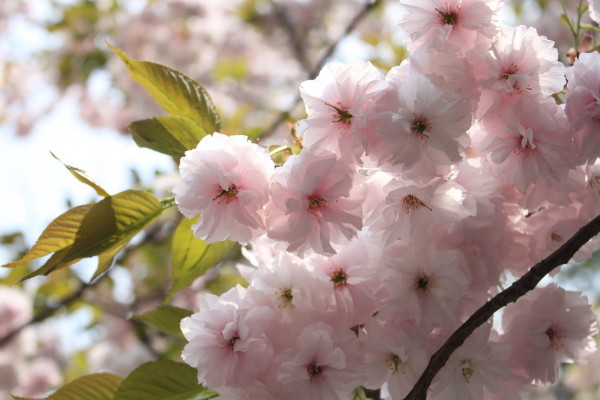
point(312, 74)
point(525, 284)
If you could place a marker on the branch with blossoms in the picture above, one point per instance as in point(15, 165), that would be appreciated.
point(511, 294)
point(401, 204)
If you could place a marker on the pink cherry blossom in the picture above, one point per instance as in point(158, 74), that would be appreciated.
point(338, 102)
point(227, 343)
point(582, 106)
point(478, 365)
point(421, 120)
point(428, 286)
point(529, 144)
point(314, 203)
point(225, 179)
point(449, 25)
point(323, 364)
point(409, 210)
point(520, 64)
point(395, 354)
point(548, 326)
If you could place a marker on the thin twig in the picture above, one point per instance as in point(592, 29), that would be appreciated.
point(315, 71)
point(525, 284)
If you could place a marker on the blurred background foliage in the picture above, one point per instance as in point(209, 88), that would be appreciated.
point(251, 56)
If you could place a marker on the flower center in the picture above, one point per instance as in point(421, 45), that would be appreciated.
point(342, 115)
point(286, 296)
point(419, 126)
point(227, 196)
point(422, 283)
point(449, 17)
point(314, 370)
point(233, 341)
point(556, 338)
point(316, 205)
point(412, 202)
point(339, 277)
point(395, 364)
point(467, 370)
point(527, 145)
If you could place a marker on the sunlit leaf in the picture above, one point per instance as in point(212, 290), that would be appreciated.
point(58, 236)
point(192, 256)
point(83, 177)
point(166, 319)
point(168, 135)
point(163, 380)
point(89, 387)
point(178, 94)
point(106, 228)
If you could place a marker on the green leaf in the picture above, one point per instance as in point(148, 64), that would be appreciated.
point(168, 135)
point(567, 22)
point(89, 387)
point(192, 256)
point(588, 27)
point(58, 236)
point(163, 380)
point(105, 229)
point(166, 319)
point(82, 177)
point(178, 94)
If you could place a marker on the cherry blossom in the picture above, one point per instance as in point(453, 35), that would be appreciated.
point(582, 106)
point(338, 102)
point(546, 327)
point(519, 64)
point(421, 121)
point(314, 203)
point(226, 180)
point(449, 25)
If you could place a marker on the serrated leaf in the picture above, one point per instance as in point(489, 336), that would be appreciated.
point(192, 256)
point(105, 229)
point(89, 387)
point(163, 380)
point(167, 135)
point(83, 177)
point(166, 319)
point(178, 94)
point(58, 236)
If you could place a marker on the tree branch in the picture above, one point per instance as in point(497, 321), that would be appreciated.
point(525, 284)
point(312, 74)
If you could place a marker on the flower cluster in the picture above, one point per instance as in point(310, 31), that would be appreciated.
point(413, 195)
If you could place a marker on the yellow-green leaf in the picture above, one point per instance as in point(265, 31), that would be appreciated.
point(178, 94)
point(168, 135)
point(105, 229)
point(89, 387)
point(192, 256)
point(83, 177)
point(58, 236)
point(166, 319)
point(163, 380)
point(113, 219)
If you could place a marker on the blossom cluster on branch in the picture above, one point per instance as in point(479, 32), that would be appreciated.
point(413, 194)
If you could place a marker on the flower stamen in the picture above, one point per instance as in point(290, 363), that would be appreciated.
point(412, 202)
point(227, 196)
point(343, 115)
